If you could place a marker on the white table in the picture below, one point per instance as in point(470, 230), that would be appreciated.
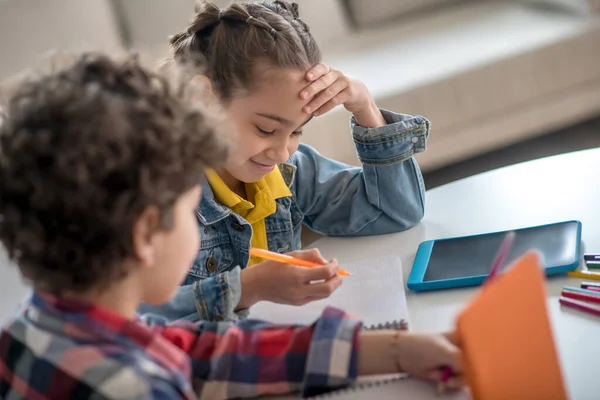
point(553, 189)
point(558, 188)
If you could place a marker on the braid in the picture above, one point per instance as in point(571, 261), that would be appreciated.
point(238, 13)
point(193, 44)
point(228, 43)
point(293, 10)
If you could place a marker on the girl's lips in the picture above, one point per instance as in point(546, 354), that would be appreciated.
point(263, 167)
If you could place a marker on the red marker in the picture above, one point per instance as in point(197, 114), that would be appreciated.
point(502, 253)
point(580, 305)
point(580, 296)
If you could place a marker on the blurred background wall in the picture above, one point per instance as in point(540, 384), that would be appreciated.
point(489, 74)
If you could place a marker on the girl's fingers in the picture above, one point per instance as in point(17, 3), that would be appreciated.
point(331, 104)
point(326, 95)
point(322, 290)
point(318, 85)
point(317, 71)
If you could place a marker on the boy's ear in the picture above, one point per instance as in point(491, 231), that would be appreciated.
point(142, 234)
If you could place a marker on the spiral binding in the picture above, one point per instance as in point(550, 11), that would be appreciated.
point(360, 387)
point(398, 325)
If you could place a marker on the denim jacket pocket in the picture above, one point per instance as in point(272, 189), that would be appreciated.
point(283, 226)
point(215, 255)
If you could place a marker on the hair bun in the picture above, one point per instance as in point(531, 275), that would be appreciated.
point(291, 8)
point(295, 10)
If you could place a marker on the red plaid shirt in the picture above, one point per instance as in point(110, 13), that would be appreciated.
point(58, 349)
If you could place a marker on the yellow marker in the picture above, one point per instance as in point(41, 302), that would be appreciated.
point(584, 275)
point(285, 259)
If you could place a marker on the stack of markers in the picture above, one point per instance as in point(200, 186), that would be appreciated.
point(586, 298)
point(592, 262)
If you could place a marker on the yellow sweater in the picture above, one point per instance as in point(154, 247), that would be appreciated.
point(259, 205)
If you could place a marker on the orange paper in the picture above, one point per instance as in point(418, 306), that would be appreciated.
point(506, 338)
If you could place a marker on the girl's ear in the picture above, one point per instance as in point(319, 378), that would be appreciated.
point(204, 82)
point(203, 90)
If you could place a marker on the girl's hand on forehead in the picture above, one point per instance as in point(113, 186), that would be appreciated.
point(329, 88)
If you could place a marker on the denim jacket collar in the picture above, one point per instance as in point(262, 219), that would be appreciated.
point(210, 210)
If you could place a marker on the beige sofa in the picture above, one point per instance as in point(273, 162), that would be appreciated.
point(487, 73)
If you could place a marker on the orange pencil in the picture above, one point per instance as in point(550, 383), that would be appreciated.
point(285, 259)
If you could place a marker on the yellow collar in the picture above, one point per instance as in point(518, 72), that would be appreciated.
point(273, 182)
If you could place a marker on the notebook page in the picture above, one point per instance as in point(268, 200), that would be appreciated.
point(397, 389)
point(374, 293)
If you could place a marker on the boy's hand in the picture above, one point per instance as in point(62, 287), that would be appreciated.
point(329, 87)
point(289, 284)
point(424, 356)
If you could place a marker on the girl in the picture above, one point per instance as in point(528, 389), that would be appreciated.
point(265, 69)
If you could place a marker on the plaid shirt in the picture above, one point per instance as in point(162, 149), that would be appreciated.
point(57, 349)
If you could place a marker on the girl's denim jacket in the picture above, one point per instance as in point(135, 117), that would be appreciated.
point(386, 195)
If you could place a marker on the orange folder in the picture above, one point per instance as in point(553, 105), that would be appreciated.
point(507, 342)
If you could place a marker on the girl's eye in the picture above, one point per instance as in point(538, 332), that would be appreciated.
point(263, 132)
point(298, 133)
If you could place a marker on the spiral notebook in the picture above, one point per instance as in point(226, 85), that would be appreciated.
point(374, 293)
point(396, 387)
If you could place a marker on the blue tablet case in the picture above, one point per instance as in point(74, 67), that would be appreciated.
point(466, 261)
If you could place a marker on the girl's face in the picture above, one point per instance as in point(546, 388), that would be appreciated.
point(268, 124)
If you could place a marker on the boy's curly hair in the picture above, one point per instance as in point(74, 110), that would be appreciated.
point(83, 151)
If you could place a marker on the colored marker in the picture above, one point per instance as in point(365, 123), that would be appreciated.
point(595, 264)
point(502, 253)
point(446, 374)
point(587, 285)
point(580, 305)
point(584, 274)
point(581, 296)
point(285, 259)
point(582, 291)
point(591, 256)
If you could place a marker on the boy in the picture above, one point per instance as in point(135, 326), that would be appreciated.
point(101, 164)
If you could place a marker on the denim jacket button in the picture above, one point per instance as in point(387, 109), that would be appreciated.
point(237, 227)
point(211, 264)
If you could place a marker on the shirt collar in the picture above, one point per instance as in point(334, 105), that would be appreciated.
point(273, 181)
point(211, 211)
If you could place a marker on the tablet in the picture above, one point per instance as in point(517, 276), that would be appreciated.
point(466, 261)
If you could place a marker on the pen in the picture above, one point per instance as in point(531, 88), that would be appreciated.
point(591, 256)
point(590, 285)
point(285, 259)
point(584, 274)
point(580, 305)
point(502, 253)
point(594, 264)
point(446, 374)
point(581, 290)
point(580, 296)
